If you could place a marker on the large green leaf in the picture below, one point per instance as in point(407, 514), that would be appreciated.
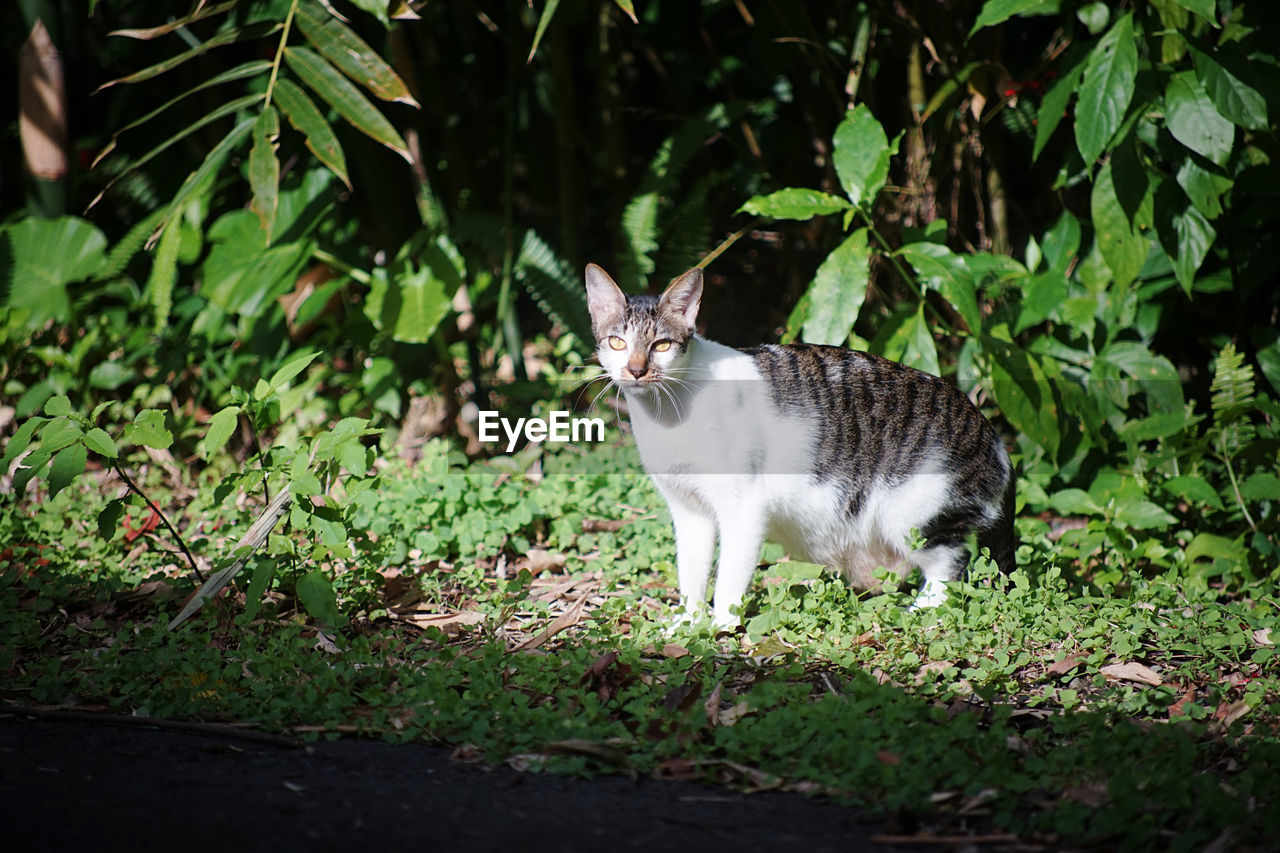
point(307, 120)
point(1154, 373)
point(1122, 242)
point(1024, 393)
point(40, 257)
point(68, 464)
point(315, 591)
point(410, 305)
point(241, 275)
point(794, 203)
point(338, 44)
point(1203, 8)
point(1107, 88)
point(327, 82)
point(148, 429)
point(1204, 187)
point(1184, 232)
point(1229, 82)
point(1193, 120)
point(1054, 106)
point(946, 272)
point(921, 350)
point(1042, 296)
point(861, 156)
point(838, 291)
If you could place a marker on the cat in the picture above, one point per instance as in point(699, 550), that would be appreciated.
point(839, 456)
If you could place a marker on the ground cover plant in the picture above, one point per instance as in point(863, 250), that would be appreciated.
point(243, 353)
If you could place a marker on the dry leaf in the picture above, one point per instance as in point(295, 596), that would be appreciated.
point(1229, 713)
point(1262, 637)
point(450, 623)
point(1070, 662)
point(1132, 671)
point(542, 560)
point(922, 675)
point(565, 620)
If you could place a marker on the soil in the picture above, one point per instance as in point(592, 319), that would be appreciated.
point(102, 786)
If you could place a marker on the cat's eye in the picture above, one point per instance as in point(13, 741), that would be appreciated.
point(662, 346)
point(616, 342)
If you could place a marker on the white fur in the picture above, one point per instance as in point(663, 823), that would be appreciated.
point(735, 469)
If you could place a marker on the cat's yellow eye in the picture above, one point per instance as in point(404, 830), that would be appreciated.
point(662, 346)
point(616, 342)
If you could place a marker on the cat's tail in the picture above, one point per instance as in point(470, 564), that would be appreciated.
point(1000, 538)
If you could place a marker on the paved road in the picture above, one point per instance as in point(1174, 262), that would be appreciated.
point(104, 787)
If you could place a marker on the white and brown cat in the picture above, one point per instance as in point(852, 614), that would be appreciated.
point(841, 457)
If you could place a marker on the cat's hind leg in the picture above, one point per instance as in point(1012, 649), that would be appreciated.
point(940, 564)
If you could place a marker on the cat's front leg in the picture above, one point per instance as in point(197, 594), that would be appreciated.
point(740, 541)
point(695, 545)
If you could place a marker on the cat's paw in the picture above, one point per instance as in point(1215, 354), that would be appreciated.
point(932, 594)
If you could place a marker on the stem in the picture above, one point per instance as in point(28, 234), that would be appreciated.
point(727, 242)
point(1235, 487)
point(342, 266)
point(906, 276)
point(133, 487)
point(275, 63)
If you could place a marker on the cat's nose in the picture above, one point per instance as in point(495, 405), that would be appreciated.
point(637, 370)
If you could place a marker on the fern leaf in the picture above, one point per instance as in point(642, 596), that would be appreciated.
point(164, 272)
point(1233, 398)
point(128, 246)
point(553, 285)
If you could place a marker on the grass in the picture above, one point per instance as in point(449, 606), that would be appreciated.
point(518, 613)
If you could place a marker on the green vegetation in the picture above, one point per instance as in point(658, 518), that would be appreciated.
point(240, 473)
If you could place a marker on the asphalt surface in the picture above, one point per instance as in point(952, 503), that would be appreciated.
point(101, 786)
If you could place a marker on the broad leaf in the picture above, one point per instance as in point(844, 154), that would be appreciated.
point(1043, 295)
point(221, 426)
point(338, 44)
point(101, 443)
point(411, 306)
point(315, 591)
point(1203, 187)
point(1122, 243)
point(1229, 82)
point(1203, 8)
point(921, 351)
point(149, 429)
point(1024, 393)
point(241, 275)
point(1193, 120)
point(40, 257)
point(337, 90)
point(1107, 88)
point(997, 11)
point(861, 155)
point(1143, 515)
point(946, 272)
point(838, 290)
point(307, 120)
point(794, 203)
point(1184, 232)
point(1054, 106)
point(68, 464)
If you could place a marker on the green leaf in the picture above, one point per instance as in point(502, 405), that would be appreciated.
point(231, 36)
point(1193, 120)
point(1216, 547)
point(1107, 89)
point(68, 464)
point(338, 44)
point(315, 591)
point(201, 12)
point(410, 307)
point(1054, 106)
point(1194, 489)
point(40, 257)
point(58, 407)
point(1203, 187)
point(1230, 84)
point(21, 440)
point(221, 426)
point(794, 203)
point(997, 11)
point(1121, 241)
point(307, 120)
point(946, 272)
point(262, 575)
point(264, 170)
point(109, 519)
point(1061, 243)
point(149, 429)
point(1075, 502)
point(1143, 515)
point(240, 275)
point(60, 433)
point(628, 8)
point(110, 375)
point(922, 351)
point(861, 155)
point(1261, 487)
point(1184, 232)
point(553, 285)
point(1042, 295)
point(1025, 396)
point(292, 368)
point(838, 290)
point(30, 467)
point(1203, 8)
point(339, 93)
point(548, 11)
point(100, 442)
point(1154, 373)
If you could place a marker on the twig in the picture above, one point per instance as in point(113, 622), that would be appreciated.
point(176, 535)
point(219, 729)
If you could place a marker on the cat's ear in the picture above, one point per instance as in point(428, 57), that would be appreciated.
point(683, 296)
point(606, 302)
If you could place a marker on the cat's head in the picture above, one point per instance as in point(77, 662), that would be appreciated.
point(642, 339)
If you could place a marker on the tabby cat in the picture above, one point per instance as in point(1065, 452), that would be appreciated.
point(839, 456)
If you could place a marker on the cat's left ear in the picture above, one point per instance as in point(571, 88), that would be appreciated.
point(683, 296)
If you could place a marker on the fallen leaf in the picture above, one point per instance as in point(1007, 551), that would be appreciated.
point(542, 560)
point(592, 749)
point(602, 525)
point(564, 621)
point(1070, 662)
point(1177, 709)
point(888, 758)
point(933, 666)
point(450, 623)
point(1262, 637)
point(1229, 713)
point(1132, 671)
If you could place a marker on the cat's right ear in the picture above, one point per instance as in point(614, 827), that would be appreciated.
point(605, 300)
point(683, 297)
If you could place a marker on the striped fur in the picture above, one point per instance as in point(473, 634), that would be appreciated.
point(838, 455)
